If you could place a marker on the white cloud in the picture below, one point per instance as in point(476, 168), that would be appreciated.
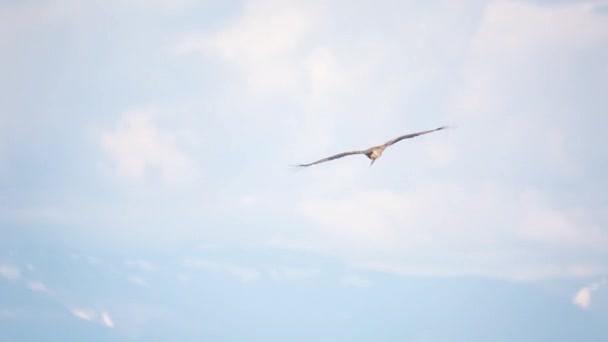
point(84, 314)
point(37, 286)
point(142, 264)
point(356, 281)
point(521, 60)
point(138, 146)
point(254, 46)
point(309, 62)
point(583, 297)
point(107, 320)
point(484, 220)
point(137, 280)
point(488, 229)
point(515, 35)
point(10, 272)
point(245, 274)
point(92, 315)
point(340, 84)
point(291, 273)
point(132, 319)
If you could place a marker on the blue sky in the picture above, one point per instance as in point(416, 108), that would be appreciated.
point(146, 192)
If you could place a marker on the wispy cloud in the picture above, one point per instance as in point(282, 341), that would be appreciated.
point(584, 296)
point(37, 286)
point(138, 146)
point(137, 280)
point(107, 320)
point(10, 272)
point(292, 273)
point(84, 314)
point(141, 264)
point(92, 315)
point(9, 314)
point(245, 274)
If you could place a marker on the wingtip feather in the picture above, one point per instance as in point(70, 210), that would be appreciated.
point(447, 127)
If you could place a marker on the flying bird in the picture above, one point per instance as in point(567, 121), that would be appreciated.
point(374, 152)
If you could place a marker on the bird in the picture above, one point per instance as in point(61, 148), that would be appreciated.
point(374, 152)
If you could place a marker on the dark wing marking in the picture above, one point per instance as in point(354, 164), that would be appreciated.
point(336, 156)
point(413, 135)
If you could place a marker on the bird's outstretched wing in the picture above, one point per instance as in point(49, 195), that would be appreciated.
point(413, 135)
point(336, 156)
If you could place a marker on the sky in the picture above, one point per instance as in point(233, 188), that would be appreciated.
point(146, 192)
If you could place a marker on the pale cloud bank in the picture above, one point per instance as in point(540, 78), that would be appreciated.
point(531, 272)
point(483, 216)
point(487, 220)
point(442, 225)
point(483, 224)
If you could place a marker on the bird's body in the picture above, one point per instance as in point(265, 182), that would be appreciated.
point(373, 152)
point(376, 152)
